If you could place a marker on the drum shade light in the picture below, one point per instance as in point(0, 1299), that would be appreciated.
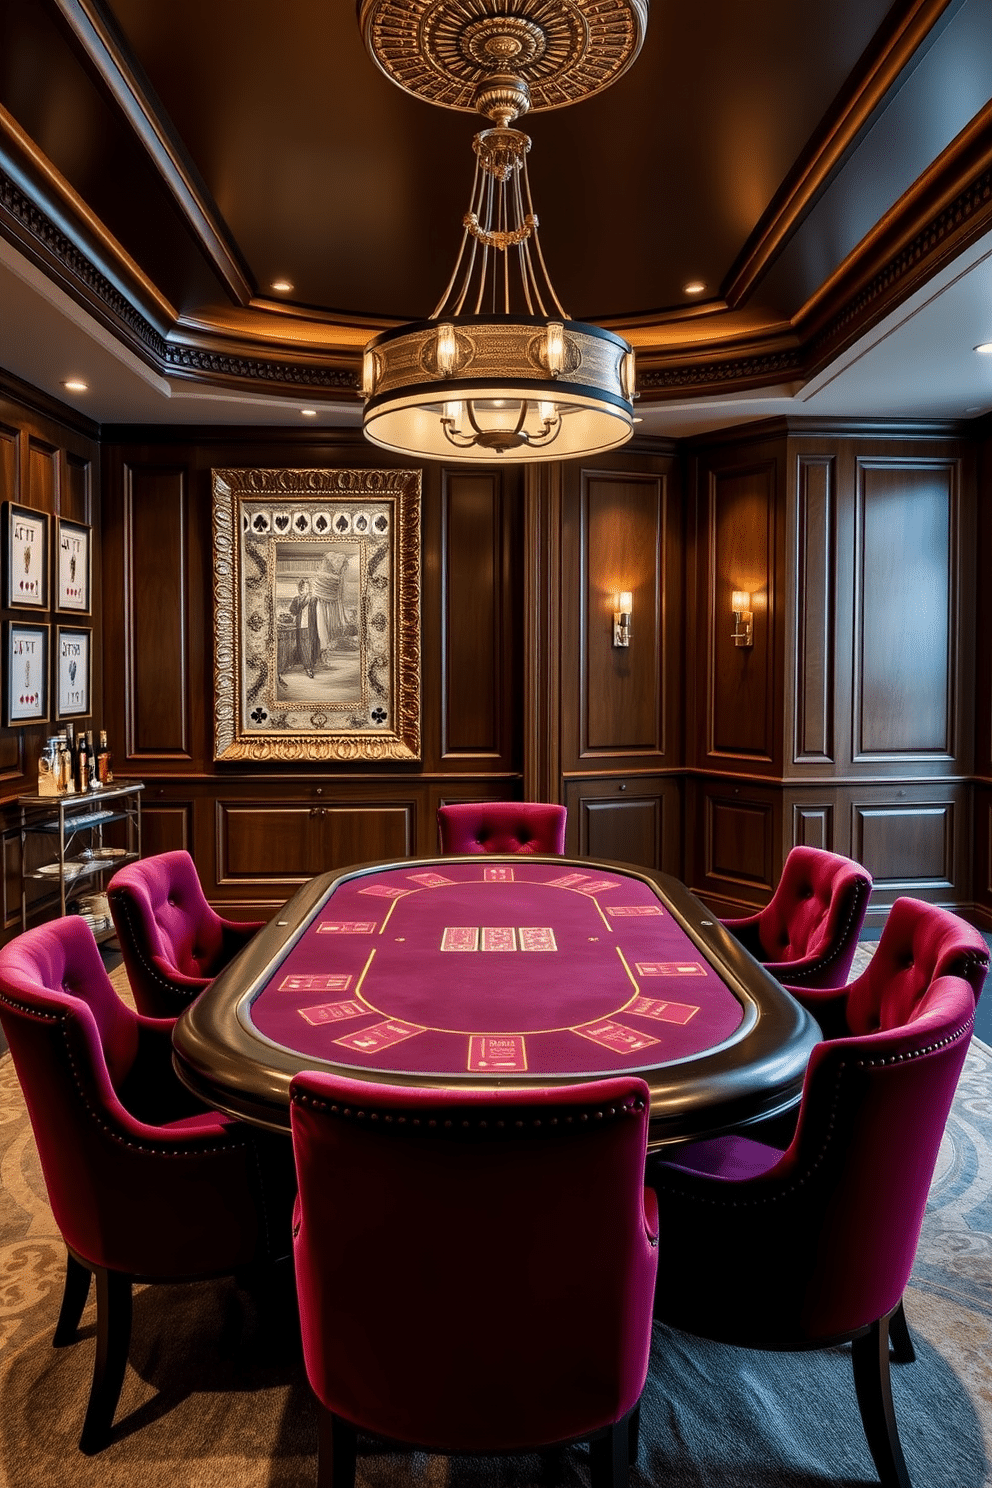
point(499, 371)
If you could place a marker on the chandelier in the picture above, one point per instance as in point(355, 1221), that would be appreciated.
point(499, 371)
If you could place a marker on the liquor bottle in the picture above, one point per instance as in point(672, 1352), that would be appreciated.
point(91, 761)
point(82, 765)
point(103, 761)
point(73, 759)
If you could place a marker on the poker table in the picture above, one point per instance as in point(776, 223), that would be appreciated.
point(483, 972)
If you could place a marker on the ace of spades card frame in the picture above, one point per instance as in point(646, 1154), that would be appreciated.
point(316, 615)
point(73, 566)
point(25, 557)
point(25, 653)
point(73, 671)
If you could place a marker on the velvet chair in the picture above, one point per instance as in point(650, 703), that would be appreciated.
point(144, 1183)
point(475, 1269)
point(813, 1246)
point(807, 934)
point(919, 943)
point(501, 827)
point(172, 942)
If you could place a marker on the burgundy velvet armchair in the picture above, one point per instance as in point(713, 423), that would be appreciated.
point(807, 934)
point(501, 827)
point(813, 1246)
point(144, 1182)
point(475, 1270)
point(172, 942)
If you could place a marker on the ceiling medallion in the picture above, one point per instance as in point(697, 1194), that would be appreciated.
point(499, 371)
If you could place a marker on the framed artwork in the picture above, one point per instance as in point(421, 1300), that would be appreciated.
point(25, 557)
point(25, 652)
point(73, 566)
point(73, 671)
point(316, 615)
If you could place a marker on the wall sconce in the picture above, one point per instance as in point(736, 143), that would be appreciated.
point(621, 618)
point(743, 632)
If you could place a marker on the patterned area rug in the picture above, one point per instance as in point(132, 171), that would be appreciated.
point(216, 1393)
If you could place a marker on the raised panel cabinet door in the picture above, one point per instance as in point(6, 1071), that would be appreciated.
point(622, 527)
point(156, 605)
point(741, 702)
point(904, 686)
point(472, 710)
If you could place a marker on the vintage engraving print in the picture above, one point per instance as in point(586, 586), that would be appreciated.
point(317, 619)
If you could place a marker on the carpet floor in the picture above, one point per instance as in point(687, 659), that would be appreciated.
point(215, 1392)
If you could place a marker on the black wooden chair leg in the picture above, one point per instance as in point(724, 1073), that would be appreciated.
point(113, 1338)
point(336, 1451)
point(74, 1294)
point(634, 1434)
point(900, 1337)
point(608, 1456)
point(870, 1357)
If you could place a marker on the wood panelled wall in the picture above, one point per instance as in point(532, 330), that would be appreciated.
point(53, 466)
point(859, 720)
point(257, 833)
point(850, 724)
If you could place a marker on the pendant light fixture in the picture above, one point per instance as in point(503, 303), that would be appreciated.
point(500, 371)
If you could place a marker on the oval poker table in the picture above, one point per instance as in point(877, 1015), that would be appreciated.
point(491, 971)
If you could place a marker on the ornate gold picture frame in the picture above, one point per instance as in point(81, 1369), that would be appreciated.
point(316, 615)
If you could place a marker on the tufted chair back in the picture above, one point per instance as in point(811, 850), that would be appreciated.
point(501, 827)
point(172, 942)
point(808, 933)
point(919, 944)
point(475, 1268)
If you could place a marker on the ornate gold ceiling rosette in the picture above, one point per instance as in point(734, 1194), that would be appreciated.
point(452, 52)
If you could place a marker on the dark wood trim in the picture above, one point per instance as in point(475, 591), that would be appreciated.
point(97, 34)
point(899, 40)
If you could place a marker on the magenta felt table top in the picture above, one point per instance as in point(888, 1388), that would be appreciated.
point(494, 970)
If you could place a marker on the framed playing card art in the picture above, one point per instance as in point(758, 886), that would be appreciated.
point(316, 615)
point(25, 557)
point(73, 566)
point(25, 657)
point(73, 671)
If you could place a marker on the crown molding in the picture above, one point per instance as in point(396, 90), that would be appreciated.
point(97, 33)
point(906, 35)
point(281, 349)
point(946, 210)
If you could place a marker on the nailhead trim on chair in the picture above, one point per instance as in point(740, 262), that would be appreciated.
point(862, 889)
point(432, 1123)
point(673, 1184)
point(139, 1146)
point(152, 971)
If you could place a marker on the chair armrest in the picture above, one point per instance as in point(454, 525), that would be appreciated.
point(237, 934)
point(152, 1092)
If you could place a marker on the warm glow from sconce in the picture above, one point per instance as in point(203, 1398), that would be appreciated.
point(743, 631)
point(281, 286)
point(694, 287)
point(75, 385)
point(621, 618)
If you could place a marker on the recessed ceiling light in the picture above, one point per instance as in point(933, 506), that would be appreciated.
point(694, 287)
point(985, 347)
point(281, 286)
point(308, 412)
point(76, 385)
